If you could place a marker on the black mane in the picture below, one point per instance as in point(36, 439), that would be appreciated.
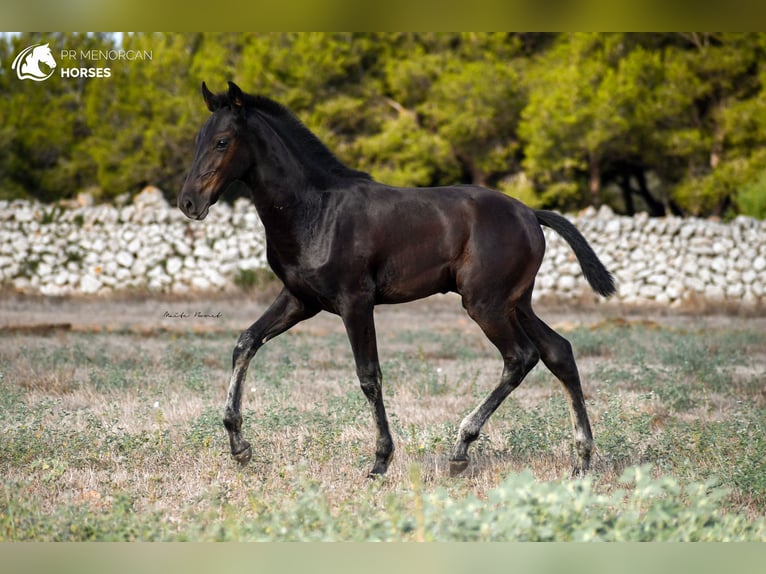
point(323, 166)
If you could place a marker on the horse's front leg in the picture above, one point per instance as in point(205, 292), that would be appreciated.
point(360, 326)
point(284, 312)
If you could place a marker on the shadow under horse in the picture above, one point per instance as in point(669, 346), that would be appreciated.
point(341, 242)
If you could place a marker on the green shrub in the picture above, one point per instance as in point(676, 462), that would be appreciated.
point(751, 198)
point(251, 279)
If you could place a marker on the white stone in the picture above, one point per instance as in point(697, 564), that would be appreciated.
point(215, 278)
point(155, 272)
point(759, 263)
point(687, 230)
point(127, 213)
point(674, 289)
point(649, 291)
point(202, 251)
point(139, 268)
point(662, 298)
point(123, 275)
point(566, 283)
point(182, 248)
point(110, 267)
point(719, 279)
point(200, 283)
point(154, 284)
point(52, 290)
point(173, 265)
point(150, 196)
point(718, 264)
point(735, 290)
point(124, 258)
point(43, 269)
point(546, 281)
point(612, 227)
point(24, 214)
point(21, 284)
point(89, 284)
point(749, 276)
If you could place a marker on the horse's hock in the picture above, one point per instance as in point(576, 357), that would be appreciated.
point(148, 244)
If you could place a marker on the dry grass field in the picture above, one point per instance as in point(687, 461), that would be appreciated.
point(110, 427)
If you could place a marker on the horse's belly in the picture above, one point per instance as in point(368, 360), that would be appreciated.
point(400, 283)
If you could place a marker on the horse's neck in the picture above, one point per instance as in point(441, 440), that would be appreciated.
point(32, 62)
point(277, 180)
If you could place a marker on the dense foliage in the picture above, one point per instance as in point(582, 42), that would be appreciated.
point(666, 122)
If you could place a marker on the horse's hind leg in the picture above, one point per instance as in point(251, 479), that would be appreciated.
point(556, 353)
point(519, 356)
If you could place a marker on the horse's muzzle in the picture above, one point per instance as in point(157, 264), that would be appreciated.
point(193, 208)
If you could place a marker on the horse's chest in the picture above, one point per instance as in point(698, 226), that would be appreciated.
point(310, 281)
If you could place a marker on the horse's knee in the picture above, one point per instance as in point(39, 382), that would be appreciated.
point(371, 387)
point(370, 379)
point(245, 348)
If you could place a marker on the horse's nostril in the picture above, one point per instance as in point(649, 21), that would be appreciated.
point(188, 205)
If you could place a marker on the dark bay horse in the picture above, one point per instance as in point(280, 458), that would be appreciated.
point(341, 242)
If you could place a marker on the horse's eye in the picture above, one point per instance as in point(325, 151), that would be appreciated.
point(221, 144)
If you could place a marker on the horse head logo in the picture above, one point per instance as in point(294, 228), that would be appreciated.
point(27, 63)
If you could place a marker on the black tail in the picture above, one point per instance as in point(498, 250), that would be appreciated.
point(597, 275)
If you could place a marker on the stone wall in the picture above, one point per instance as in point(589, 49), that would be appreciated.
point(149, 245)
point(145, 245)
point(664, 261)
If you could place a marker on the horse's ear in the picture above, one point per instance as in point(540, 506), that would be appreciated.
point(210, 100)
point(236, 99)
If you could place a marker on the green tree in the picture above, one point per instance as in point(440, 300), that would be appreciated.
point(42, 123)
point(658, 116)
point(588, 115)
point(142, 121)
point(452, 106)
point(727, 143)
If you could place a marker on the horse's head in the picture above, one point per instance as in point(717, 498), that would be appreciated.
point(27, 63)
point(43, 54)
point(221, 157)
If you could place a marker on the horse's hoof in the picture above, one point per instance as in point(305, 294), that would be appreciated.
point(378, 471)
point(579, 471)
point(457, 467)
point(243, 456)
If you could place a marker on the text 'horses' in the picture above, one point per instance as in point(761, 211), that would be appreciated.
point(341, 242)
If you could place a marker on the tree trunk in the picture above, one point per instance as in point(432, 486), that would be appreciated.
point(594, 181)
point(656, 208)
point(627, 194)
